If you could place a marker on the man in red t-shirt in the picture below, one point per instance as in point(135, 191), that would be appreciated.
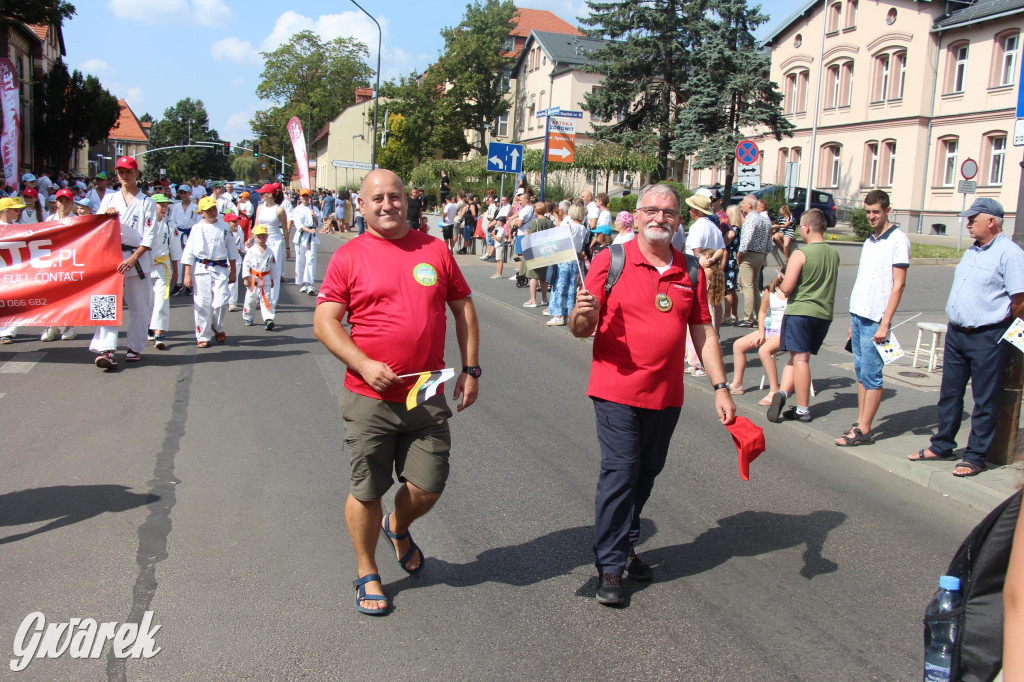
point(394, 284)
point(636, 379)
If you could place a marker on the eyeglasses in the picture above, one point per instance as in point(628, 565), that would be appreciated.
point(652, 212)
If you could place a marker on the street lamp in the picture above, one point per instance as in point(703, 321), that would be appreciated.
point(376, 91)
point(354, 138)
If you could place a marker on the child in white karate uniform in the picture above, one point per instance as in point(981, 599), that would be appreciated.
point(211, 254)
point(260, 270)
point(233, 219)
point(164, 275)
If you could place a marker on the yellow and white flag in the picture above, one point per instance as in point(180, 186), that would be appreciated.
point(427, 385)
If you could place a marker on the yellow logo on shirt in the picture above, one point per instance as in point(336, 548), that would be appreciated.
point(425, 274)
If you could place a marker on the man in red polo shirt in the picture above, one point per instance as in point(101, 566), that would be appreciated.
point(636, 379)
point(394, 283)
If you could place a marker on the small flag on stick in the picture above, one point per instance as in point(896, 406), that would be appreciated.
point(427, 385)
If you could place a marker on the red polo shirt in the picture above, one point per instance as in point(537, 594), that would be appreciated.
point(639, 350)
point(396, 293)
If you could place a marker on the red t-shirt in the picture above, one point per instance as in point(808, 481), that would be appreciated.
point(395, 292)
point(639, 350)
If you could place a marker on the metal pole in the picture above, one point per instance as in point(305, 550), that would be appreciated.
point(817, 107)
point(376, 91)
point(960, 234)
point(501, 193)
point(544, 161)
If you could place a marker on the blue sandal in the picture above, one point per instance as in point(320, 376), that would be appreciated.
point(361, 595)
point(413, 547)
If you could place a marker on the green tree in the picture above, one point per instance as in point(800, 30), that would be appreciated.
point(245, 167)
point(311, 79)
point(646, 65)
point(396, 154)
point(430, 128)
point(731, 93)
point(145, 118)
point(474, 66)
point(72, 109)
point(48, 12)
point(187, 121)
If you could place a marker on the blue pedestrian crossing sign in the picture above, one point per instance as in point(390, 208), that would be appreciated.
point(504, 158)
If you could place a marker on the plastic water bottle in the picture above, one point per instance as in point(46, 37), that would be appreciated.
point(941, 633)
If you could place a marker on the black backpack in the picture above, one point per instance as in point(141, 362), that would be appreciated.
point(618, 262)
point(981, 564)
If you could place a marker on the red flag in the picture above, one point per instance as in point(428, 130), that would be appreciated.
point(10, 142)
point(61, 273)
point(749, 439)
point(299, 147)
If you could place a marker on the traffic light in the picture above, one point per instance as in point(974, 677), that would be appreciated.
point(227, 149)
point(256, 150)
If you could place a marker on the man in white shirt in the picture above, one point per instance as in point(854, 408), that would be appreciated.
point(183, 217)
point(198, 189)
point(95, 195)
point(592, 210)
point(306, 240)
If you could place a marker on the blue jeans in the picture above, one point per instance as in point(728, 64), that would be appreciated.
point(634, 444)
point(867, 361)
point(563, 290)
point(980, 357)
point(361, 224)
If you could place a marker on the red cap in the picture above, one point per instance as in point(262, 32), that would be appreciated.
point(749, 439)
point(127, 162)
point(267, 189)
point(230, 218)
point(66, 193)
point(30, 192)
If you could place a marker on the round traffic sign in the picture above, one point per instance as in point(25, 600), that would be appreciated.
point(747, 152)
point(969, 169)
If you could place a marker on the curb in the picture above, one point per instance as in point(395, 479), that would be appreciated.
point(934, 476)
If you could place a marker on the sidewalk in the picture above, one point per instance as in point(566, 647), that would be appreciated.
point(904, 424)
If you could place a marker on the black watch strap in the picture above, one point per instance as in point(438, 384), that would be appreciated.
point(720, 386)
point(473, 371)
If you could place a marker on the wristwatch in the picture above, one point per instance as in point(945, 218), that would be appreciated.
point(473, 371)
point(719, 387)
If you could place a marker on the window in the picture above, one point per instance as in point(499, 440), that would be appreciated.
point(900, 72)
point(835, 15)
point(509, 45)
point(790, 94)
point(594, 116)
point(832, 92)
point(996, 158)
point(796, 92)
point(831, 166)
point(851, 14)
point(889, 162)
point(501, 126)
point(957, 76)
point(1008, 64)
point(871, 165)
point(847, 84)
point(506, 76)
point(780, 168)
point(882, 91)
point(947, 160)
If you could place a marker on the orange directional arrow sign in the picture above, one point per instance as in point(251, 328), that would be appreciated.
point(561, 147)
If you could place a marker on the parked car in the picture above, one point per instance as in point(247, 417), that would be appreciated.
point(819, 199)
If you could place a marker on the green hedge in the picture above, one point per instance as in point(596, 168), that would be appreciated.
point(859, 221)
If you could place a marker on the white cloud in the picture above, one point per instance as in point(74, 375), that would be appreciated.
point(237, 126)
point(212, 12)
point(135, 98)
point(96, 67)
point(237, 81)
point(201, 12)
point(235, 51)
point(328, 27)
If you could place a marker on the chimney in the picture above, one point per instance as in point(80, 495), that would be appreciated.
point(363, 94)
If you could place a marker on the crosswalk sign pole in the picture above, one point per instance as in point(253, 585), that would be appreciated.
point(544, 163)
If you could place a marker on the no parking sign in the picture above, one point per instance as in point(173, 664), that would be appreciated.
point(747, 152)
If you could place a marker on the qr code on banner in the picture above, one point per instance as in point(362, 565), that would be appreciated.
point(103, 307)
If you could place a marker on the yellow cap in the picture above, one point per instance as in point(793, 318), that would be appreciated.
point(259, 229)
point(11, 202)
point(206, 203)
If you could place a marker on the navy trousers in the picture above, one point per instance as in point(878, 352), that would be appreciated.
point(634, 443)
point(980, 357)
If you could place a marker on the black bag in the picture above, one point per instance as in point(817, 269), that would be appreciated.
point(981, 564)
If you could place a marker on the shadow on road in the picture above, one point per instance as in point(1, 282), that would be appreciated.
point(749, 533)
point(64, 505)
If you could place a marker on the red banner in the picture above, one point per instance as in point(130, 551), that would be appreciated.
point(9, 142)
point(61, 273)
point(299, 147)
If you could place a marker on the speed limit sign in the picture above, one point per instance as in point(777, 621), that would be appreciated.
point(969, 169)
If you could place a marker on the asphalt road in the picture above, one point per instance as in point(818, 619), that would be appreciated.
point(207, 487)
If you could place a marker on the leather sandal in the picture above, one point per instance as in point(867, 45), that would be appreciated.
point(859, 438)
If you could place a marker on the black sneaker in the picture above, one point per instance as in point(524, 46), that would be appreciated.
point(609, 592)
point(636, 569)
point(745, 324)
point(793, 415)
point(778, 402)
point(269, 325)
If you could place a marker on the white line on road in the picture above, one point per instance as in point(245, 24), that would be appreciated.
point(21, 363)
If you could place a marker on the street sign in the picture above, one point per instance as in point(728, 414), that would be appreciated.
point(1020, 91)
point(561, 147)
point(747, 152)
point(564, 127)
point(504, 158)
point(360, 165)
point(749, 171)
point(967, 187)
point(747, 185)
point(1018, 133)
point(969, 169)
point(553, 111)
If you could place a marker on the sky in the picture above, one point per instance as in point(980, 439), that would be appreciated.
point(153, 54)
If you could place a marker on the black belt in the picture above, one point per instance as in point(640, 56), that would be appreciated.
point(985, 328)
point(138, 268)
point(208, 262)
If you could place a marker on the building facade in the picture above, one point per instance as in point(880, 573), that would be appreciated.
point(347, 138)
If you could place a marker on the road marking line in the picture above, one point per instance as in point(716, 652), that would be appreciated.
point(21, 363)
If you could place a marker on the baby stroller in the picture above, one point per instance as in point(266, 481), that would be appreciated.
point(521, 280)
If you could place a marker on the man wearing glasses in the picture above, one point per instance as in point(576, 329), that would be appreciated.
point(988, 292)
point(637, 386)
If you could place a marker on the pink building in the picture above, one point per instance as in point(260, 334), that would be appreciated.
point(903, 93)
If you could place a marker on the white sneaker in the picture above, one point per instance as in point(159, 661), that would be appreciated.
point(68, 334)
point(512, 278)
point(556, 322)
point(496, 276)
point(232, 307)
point(49, 335)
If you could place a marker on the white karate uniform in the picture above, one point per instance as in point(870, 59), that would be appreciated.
point(181, 220)
point(226, 204)
point(262, 269)
point(239, 237)
point(166, 250)
point(304, 217)
point(209, 241)
point(275, 242)
point(95, 199)
point(138, 228)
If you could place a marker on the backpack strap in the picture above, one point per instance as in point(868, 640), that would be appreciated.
point(618, 262)
point(693, 269)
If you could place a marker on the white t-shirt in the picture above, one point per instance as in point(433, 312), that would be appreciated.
point(623, 237)
point(878, 257)
point(604, 217)
point(704, 234)
point(526, 215)
point(504, 211)
point(592, 213)
point(198, 192)
point(449, 214)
